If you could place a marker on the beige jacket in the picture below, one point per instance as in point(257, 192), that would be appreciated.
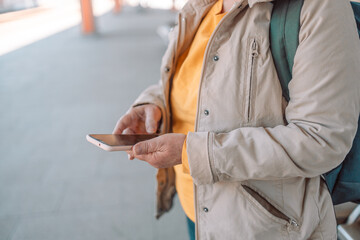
point(256, 160)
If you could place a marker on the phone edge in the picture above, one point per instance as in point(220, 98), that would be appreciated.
point(105, 146)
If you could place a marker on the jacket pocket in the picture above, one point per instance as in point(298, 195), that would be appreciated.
point(253, 54)
point(270, 210)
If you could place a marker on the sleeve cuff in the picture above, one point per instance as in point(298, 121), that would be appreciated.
point(200, 157)
point(185, 162)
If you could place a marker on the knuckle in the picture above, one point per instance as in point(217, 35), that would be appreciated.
point(118, 123)
point(121, 121)
point(152, 145)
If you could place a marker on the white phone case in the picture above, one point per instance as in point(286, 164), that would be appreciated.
point(106, 147)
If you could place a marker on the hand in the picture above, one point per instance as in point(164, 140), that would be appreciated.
point(160, 152)
point(142, 119)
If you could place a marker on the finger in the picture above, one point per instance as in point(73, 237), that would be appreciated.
point(122, 124)
point(130, 155)
point(152, 118)
point(146, 158)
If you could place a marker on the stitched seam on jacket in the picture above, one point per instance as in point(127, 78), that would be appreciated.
point(213, 169)
point(318, 212)
point(266, 204)
point(261, 208)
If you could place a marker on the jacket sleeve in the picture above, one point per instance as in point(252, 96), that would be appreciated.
point(322, 114)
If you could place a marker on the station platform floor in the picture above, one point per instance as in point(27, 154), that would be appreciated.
point(53, 183)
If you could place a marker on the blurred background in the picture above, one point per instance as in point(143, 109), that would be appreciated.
point(65, 74)
point(69, 68)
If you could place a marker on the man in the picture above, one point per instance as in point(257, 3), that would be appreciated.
point(255, 160)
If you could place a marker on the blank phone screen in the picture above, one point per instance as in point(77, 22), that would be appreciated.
point(122, 139)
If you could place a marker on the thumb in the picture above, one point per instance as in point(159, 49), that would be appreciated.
point(144, 148)
point(150, 122)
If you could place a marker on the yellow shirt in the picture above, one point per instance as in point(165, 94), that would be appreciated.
point(184, 94)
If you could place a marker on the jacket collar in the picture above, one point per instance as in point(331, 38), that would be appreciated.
point(196, 10)
point(201, 3)
point(253, 2)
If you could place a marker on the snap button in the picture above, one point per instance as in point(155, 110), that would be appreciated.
point(167, 69)
point(205, 209)
point(293, 223)
point(206, 112)
point(216, 58)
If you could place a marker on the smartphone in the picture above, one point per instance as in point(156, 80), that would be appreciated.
point(118, 142)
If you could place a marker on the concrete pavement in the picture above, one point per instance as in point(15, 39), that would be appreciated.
point(53, 183)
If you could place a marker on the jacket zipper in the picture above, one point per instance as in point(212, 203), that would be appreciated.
point(269, 207)
point(253, 56)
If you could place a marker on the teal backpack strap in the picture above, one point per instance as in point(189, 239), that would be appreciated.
point(343, 181)
point(284, 37)
point(356, 9)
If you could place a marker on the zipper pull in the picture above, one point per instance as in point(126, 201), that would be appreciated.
point(254, 49)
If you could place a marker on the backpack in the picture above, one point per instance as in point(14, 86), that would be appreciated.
point(343, 181)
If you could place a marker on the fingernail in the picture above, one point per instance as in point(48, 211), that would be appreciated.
point(129, 157)
point(150, 130)
point(137, 150)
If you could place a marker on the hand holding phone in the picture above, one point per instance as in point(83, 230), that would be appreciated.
point(160, 151)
